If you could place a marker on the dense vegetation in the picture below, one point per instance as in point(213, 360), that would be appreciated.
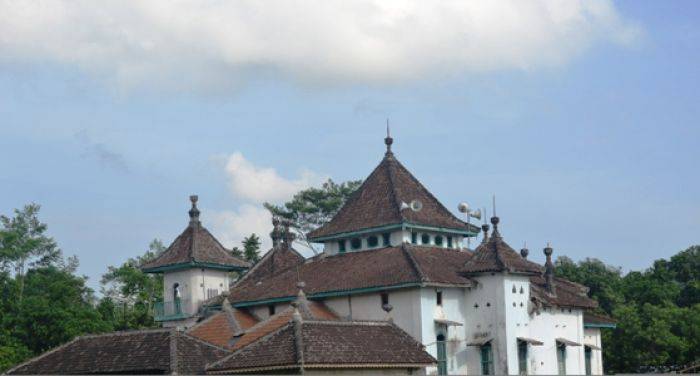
point(657, 310)
point(44, 303)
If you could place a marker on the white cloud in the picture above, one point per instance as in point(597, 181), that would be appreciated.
point(187, 44)
point(259, 184)
point(252, 185)
point(231, 227)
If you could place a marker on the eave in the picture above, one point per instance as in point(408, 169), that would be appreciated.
point(395, 226)
point(191, 265)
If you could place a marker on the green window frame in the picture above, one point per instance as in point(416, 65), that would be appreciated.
point(341, 246)
point(522, 357)
point(486, 359)
point(356, 243)
point(372, 241)
point(386, 239)
point(414, 238)
point(449, 242)
point(588, 355)
point(441, 355)
point(561, 359)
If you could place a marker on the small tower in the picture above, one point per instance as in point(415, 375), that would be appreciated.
point(195, 268)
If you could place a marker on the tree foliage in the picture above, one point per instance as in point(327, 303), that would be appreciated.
point(313, 207)
point(129, 293)
point(251, 248)
point(657, 310)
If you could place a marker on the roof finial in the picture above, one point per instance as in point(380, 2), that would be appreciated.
point(388, 140)
point(524, 252)
point(485, 228)
point(287, 234)
point(194, 212)
point(276, 233)
point(549, 270)
point(495, 220)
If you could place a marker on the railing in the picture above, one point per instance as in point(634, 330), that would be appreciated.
point(175, 310)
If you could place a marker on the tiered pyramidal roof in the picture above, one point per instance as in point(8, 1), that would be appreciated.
point(495, 255)
point(383, 200)
point(196, 246)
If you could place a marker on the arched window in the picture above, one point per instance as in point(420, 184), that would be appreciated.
point(414, 238)
point(177, 308)
point(425, 239)
point(438, 240)
point(386, 239)
point(441, 355)
point(356, 243)
point(372, 241)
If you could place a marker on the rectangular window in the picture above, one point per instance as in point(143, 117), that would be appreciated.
point(414, 238)
point(341, 246)
point(561, 358)
point(212, 293)
point(486, 359)
point(271, 309)
point(589, 355)
point(386, 239)
point(438, 297)
point(522, 357)
point(441, 355)
point(385, 298)
point(449, 242)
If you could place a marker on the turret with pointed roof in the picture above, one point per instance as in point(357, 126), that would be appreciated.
point(196, 268)
point(384, 203)
point(195, 247)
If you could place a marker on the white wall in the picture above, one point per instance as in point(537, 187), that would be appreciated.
point(486, 321)
point(453, 308)
point(406, 311)
point(592, 337)
point(193, 286)
point(554, 323)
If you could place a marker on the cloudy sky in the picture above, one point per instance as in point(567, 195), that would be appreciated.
point(581, 116)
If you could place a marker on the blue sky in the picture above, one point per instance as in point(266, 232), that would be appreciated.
point(589, 140)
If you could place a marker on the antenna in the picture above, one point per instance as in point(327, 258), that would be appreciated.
point(388, 134)
point(494, 205)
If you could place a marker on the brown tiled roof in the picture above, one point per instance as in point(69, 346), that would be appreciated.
point(597, 319)
point(327, 344)
point(566, 293)
point(275, 261)
point(378, 203)
point(196, 245)
point(309, 310)
point(495, 255)
point(149, 351)
point(391, 266)
point(223, 326)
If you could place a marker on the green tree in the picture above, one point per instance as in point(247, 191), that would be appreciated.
point(23, 243)
point(251, 248)
point(130, 292)
point(314, 207)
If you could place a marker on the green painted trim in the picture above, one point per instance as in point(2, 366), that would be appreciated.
point(608, 326)
point(180, 316)
point(190, 265)
point(327, 294)
point(402, 226)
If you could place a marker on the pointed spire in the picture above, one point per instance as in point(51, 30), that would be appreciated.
point(388, 140)
point(495, 220)
point(194, 212)
point(549, 270)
